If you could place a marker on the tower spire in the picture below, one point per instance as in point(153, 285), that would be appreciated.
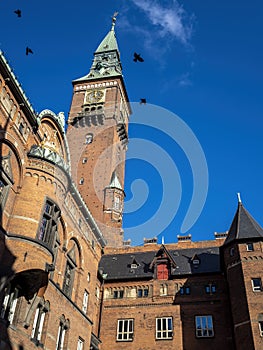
point(106, 62)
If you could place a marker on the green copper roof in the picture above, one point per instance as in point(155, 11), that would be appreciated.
point(106, 62)
point(109, 43)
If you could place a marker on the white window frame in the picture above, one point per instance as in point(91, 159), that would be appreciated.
point(164, 328)
point(125, 329)
point(85, 301)
point(204, 326)
point(256, 288)
point(260, 325)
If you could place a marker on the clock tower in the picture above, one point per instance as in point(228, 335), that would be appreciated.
point(98, 135)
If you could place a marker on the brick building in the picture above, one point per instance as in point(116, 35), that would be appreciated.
point(67, 281)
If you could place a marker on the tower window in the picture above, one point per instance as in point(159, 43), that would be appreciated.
point(80, 344)
point(250, 247)
point(84, 160)
point(260, 324)
point(89, 138)
point(81, 181)
point(256, 284)
point(85, 301)
point(117, 203)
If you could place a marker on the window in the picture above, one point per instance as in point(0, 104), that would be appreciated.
point(256, 284)
point(164, 328)
point(21, 128)
point(210, 289)
point(84, 160)
point(260, 324)
point(204, 326)
point(185, 290)
point(232, 251)
point(163, 289)
point(3, 194)
point(9, 304)
point(68, 278)
point(62, 330)
point(118, 294)
point(81, 181)
point(125, 330)
point(80, 344)
point(49, 223)
point(89, 138)
point(39, 320)
point(250, 247)
point(85, 301)
point(142, 292)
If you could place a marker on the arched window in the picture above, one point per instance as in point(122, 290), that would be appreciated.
point(49, 223)
point(70, 268)
point(39, 322)
point(8, 308)
point(62, 333)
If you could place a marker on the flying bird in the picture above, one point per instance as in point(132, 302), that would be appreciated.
point(18, 12)
point(28, 50)
point(137, 57)
point(143, 101)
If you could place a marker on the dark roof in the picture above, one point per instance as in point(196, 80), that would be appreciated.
point(119, 266)
point(243, 227)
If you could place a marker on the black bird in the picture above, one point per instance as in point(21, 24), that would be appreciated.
point(143, 101)
point(137, 57)
point(18, 13)
point(28, 50)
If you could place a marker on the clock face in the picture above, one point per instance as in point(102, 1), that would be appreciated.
point(94, 96)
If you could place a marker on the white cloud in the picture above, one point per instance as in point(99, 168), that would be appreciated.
point(172, 20)
point(185, 80)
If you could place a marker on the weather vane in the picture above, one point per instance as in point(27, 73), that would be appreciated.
point(114, 18)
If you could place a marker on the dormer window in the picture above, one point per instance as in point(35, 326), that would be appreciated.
point(134, 266)
point(195, 260)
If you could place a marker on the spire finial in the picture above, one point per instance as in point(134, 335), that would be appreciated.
point(239, 197)
point(113, 18)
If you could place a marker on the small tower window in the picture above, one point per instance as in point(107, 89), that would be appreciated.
point(117, 203)
point(250, 247)
point(84, 160)
point(81, 181)
point(89, 138)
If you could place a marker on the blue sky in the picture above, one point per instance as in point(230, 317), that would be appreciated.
point(203, 63)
